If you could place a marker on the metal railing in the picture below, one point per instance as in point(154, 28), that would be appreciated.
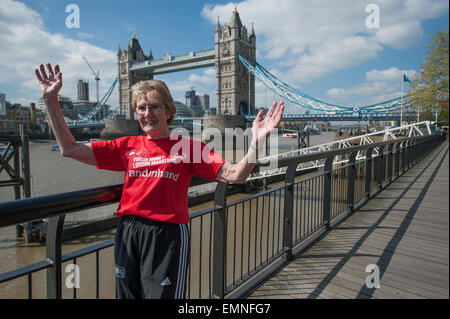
point(236, 245)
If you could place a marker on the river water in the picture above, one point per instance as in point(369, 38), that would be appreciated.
point(52, 174)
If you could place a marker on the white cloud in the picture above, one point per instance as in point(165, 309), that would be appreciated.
point(208, 77)
point(303, 40)
point(391, 74)
point(204, 83)
point(380, 85)
point(16, 13)
point(30, 45)
point(84, 35)
point(338, 93)
point(401, 36)
point(298, 40)
point(383, 97)
point(333, 55)
point(200, 83)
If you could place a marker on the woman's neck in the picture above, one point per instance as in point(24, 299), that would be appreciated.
point(157, 135)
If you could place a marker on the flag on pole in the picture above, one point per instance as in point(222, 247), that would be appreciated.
point(406, 79)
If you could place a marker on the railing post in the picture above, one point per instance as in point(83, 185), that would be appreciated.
point(397, 159)
point(220, 241)
point(408, 154)
point(410, 151)
point(328, 167)
point(430, 146)
point(289, 210)
point(405, 149)
point(26, 166)
point(423, 147)
point(401, 155)
point(381, 169)
point(368, 171)
point(420, 148)
point(17, 192)
point(351, 181)
point(25, 163)
point(53, 249)
point(426, 147)
point(390, 160)
point(415, 152)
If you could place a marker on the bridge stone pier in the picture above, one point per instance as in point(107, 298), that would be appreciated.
point(220, 123)
point(116, 128)
point(235, 85)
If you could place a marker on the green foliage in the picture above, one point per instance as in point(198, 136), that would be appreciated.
point(429, 91)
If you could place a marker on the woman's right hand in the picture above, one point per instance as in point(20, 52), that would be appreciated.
point(51, 84)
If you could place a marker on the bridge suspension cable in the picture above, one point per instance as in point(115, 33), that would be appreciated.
point(297, 97)
point(99, 105)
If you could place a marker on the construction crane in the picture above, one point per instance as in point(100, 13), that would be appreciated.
point(97, 78)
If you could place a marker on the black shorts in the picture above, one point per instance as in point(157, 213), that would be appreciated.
point(150, 258)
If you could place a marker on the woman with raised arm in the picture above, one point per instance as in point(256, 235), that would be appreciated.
point(151, 242)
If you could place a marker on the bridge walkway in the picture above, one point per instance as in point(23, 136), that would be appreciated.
point(404, 230)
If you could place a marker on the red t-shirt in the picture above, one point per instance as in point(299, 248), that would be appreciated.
point(158, 173)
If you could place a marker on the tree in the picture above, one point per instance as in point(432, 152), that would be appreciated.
point(429, 91)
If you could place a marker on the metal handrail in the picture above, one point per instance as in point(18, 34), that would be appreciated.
point(407, 152)
point(30, 209)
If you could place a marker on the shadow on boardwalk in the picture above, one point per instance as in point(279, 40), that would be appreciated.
point(403, 231)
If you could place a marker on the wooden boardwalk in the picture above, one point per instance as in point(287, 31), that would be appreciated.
point(404, 230)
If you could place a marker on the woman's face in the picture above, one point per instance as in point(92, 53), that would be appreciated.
point(153, 115)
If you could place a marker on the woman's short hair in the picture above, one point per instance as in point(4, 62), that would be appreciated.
point(142, 88)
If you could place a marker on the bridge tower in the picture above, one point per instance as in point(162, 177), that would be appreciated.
point(233, 96)
point(235, 87)
point(126, 78)
point(125, 59)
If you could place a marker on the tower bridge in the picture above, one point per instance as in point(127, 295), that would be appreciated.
point(235, 89)
point(183, 62)
point(234, 57)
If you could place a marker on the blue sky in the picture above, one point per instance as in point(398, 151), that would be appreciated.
point(323, 48)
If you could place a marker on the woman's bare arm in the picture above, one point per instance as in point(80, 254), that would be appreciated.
point(69, 147)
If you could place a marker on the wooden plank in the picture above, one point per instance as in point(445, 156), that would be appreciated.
point(394, 284)
point(407, 237)
point(355, 271)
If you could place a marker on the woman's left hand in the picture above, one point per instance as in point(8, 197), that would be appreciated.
point(262, 127)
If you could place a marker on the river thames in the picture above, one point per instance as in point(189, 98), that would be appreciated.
point(52, 174)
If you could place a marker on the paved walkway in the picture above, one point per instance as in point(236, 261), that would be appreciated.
point(404, 230)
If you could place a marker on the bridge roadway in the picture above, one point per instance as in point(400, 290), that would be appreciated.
point(404, 230)
point(298, 117)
